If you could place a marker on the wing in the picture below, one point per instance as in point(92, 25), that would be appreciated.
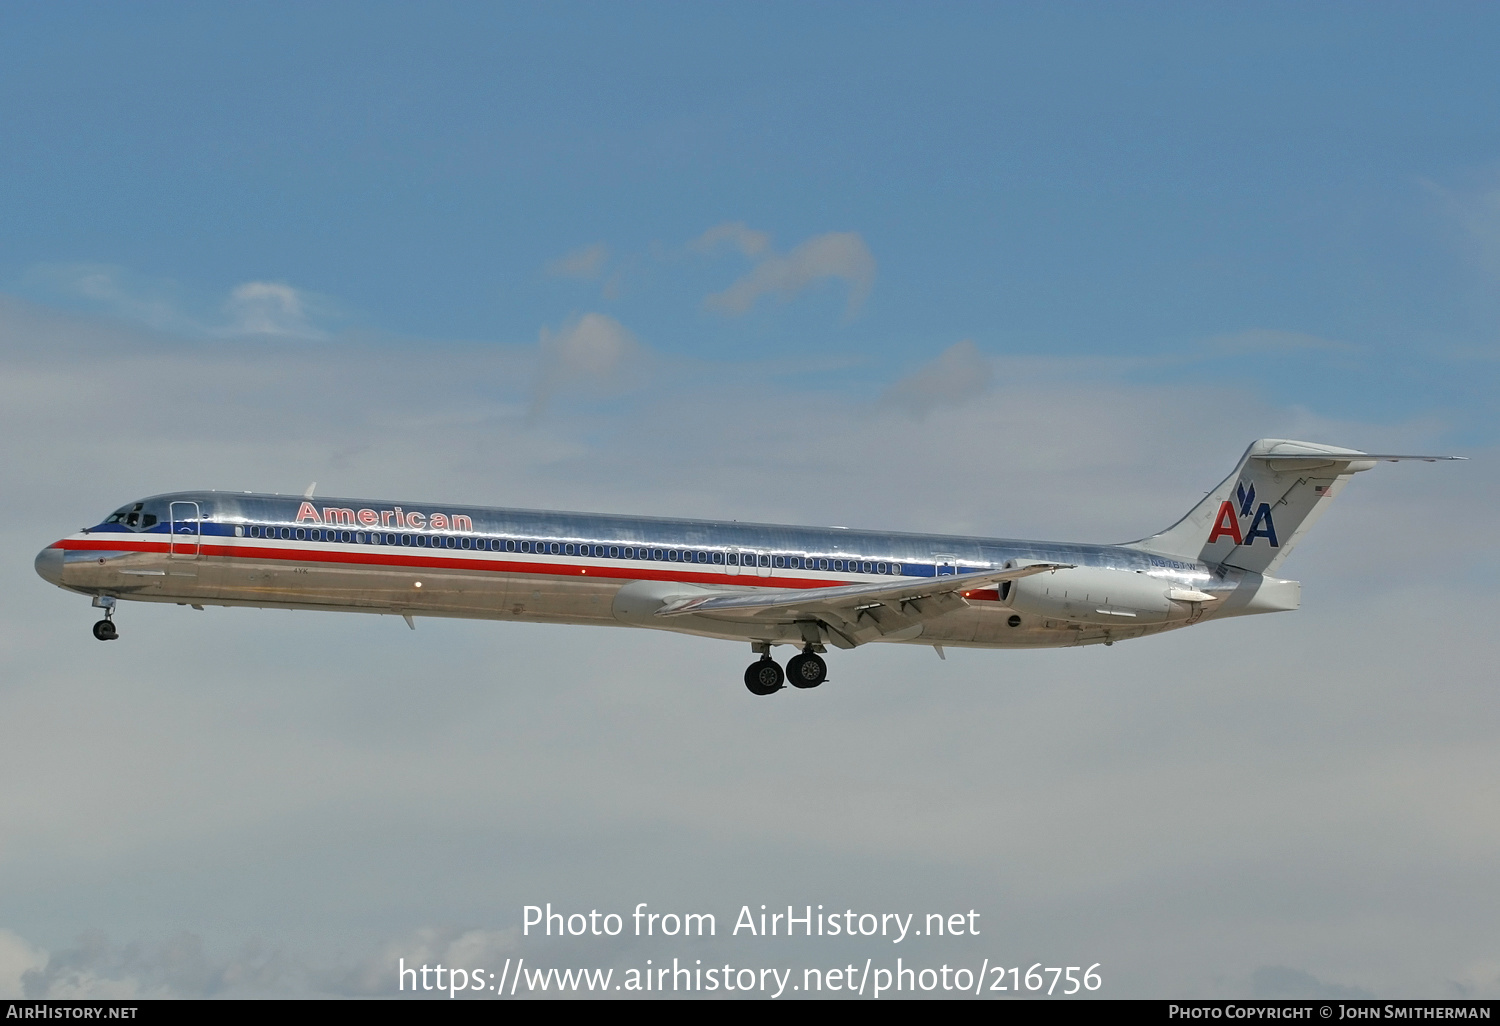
point(856, 613)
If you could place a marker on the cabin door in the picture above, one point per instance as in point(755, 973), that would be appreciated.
point(184, 521)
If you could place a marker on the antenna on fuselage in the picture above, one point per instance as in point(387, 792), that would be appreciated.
point(308, 494)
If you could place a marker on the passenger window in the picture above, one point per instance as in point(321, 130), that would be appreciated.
point(510, 546)
point(780, 561)
point(301, 534)
point(718, 557)
point(868, 568)
point(239, 532)
point(657, 554)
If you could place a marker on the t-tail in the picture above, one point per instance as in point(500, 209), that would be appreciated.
point(1255, 516)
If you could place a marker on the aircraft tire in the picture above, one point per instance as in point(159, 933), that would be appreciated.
point(764, 677)
point(104, 630)
point(807, 670)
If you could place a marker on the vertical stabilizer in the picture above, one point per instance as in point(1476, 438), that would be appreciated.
point(1255, 516)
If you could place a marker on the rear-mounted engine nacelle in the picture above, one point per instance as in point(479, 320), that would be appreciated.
point(1092, 595)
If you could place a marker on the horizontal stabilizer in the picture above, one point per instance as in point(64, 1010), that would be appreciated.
point(1383, 457)
point(1256, 514)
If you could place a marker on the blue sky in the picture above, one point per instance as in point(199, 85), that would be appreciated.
point(1035, 271)
point(1088, 180)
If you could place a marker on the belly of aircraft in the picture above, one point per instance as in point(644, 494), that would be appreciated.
point(542, 598)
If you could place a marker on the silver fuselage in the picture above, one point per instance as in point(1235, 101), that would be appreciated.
point(420, 559)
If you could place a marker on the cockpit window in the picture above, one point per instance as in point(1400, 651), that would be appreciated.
point(132, 517)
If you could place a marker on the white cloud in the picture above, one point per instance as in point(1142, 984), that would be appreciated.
point(585, 262)
point(841, 256)
point(737, 234)
point(958, 374)
point(17, 958)
point(593, 352)
point(252, 308)
point(269, 308)
point(112, 290)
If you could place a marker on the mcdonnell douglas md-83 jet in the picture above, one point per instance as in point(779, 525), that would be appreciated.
point(802, 586)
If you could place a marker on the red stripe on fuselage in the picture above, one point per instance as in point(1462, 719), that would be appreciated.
point(491, 565)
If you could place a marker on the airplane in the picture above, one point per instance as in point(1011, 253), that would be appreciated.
point(810, 588)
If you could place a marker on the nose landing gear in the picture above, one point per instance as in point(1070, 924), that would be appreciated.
point(104, 630)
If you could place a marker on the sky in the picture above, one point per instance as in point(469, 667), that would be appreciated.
point(1009, 270)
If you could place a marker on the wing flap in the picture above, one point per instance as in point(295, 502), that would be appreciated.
point(884, 606)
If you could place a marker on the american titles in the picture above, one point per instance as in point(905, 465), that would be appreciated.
point(333, 516)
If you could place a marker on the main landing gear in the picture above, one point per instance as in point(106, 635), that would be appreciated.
point(765, 677)
point(807, 670)
point(104, 630)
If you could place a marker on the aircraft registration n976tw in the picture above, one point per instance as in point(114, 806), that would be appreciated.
point(811, 588)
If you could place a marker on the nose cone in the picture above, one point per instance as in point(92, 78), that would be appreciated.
point(49, 565)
